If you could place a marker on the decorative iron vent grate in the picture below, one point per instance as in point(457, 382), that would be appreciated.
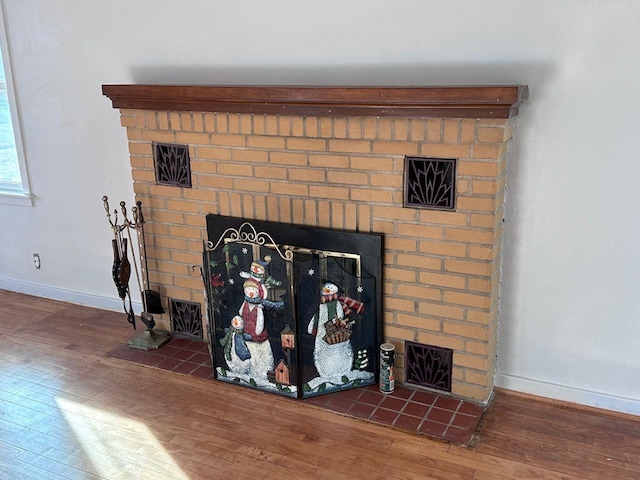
point(430, 183)
point(428, 366)
point(173, 166)
point(186, 318)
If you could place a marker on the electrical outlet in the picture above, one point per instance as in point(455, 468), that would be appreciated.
point(36, 261)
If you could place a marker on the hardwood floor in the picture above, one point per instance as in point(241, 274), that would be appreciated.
point(69, 412)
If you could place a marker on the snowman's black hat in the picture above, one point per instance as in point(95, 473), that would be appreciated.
point(337, 279)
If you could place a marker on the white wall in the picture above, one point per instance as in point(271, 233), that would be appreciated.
point(570, 325)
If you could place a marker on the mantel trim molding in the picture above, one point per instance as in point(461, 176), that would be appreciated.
point(498, 101)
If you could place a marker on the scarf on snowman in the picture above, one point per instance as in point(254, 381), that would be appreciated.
point(332, 310)
point(240, 343)
point(349, 305)
point(265, 303)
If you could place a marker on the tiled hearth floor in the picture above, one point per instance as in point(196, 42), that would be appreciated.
point(418, 411)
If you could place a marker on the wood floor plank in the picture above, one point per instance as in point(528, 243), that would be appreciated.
point(15, 468)
point(607, 454)
point(67, 411)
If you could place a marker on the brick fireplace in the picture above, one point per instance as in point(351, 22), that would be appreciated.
point(335, 158)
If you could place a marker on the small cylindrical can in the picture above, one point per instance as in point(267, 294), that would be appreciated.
point(387, 375)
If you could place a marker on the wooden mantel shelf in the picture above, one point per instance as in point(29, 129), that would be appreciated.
point(457, 102)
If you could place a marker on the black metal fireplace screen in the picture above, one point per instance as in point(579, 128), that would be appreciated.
point(290, 309)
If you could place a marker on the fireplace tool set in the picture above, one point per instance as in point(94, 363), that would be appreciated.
point(121, 273)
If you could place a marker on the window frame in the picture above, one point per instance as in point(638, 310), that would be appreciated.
point(10, 193)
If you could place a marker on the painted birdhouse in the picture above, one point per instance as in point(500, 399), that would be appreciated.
point(287, 338)
point(282, 373)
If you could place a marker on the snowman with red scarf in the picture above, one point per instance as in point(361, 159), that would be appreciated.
point(252, 313)
point(332, 353)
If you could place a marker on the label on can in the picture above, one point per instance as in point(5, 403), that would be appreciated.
point(387, 376)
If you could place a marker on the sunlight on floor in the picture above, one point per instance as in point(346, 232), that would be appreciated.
point(119, 447)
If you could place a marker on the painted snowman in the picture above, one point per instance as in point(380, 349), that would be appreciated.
point(252, 313)
point(258, 272)
point(333, 357)
point(236, 351)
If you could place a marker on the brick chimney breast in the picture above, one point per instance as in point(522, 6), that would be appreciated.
point(336, 157)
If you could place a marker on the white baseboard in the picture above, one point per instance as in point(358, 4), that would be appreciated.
point(568, 394)
point(64, 295)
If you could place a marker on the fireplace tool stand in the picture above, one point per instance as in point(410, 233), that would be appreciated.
point(149, 339)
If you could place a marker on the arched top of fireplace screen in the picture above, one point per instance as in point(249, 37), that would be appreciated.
point(248, 234)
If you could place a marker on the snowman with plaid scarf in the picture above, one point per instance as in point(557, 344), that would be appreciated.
point(332, 353)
